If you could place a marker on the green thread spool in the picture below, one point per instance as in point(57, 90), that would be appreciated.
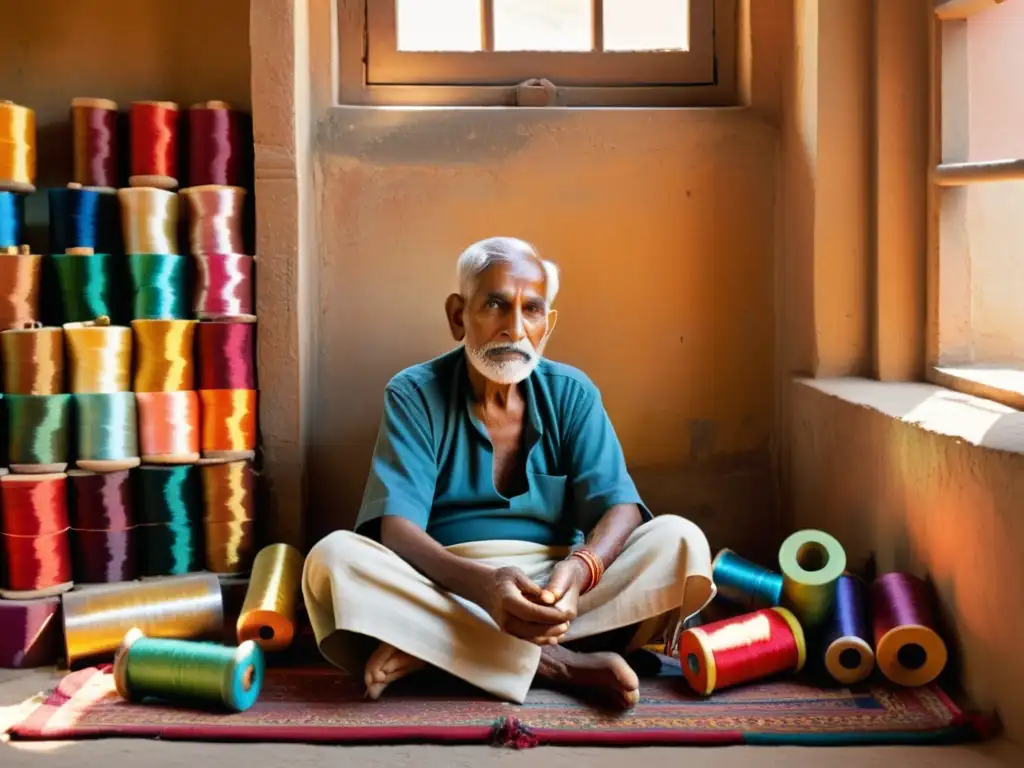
point(107, 427)
point(169, 527)
point(37, 431)
point(88, 285)
point(744, 583)
point(159, 287)
point(189, 672)
point(811, 562)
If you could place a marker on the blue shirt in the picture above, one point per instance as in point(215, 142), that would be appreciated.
point(433, 460)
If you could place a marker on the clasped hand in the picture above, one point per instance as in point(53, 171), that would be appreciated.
point(541, 615)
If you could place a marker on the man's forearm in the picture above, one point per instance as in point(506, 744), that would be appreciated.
point(458, 575)
point(608, 538)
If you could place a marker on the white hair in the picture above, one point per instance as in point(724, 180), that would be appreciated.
point(494, 250)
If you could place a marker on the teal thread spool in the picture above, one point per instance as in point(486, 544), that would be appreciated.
point(89, 285)
point(169, 526)
point(159, 286)
point(189, 672)
point(107, 429)
point(745, 583)
point(37, 432)
point(811, 562)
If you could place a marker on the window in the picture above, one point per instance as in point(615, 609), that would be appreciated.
point(976, 300)
point(592, 52)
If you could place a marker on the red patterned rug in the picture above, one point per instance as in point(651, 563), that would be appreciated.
point(319, 705)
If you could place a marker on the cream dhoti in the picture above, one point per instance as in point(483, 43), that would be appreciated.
point(359, 593)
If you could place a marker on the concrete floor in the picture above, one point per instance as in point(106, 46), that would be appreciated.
point(17, 686)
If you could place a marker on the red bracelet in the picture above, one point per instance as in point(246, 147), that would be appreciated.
point(595, 568)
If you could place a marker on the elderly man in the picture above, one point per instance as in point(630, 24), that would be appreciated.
point(500, 537)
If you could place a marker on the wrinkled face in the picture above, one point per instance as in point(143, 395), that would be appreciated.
point(506, 322)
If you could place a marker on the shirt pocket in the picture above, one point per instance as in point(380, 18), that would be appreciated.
point(547, 495)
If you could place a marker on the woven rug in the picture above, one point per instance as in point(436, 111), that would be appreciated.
point(319, 705)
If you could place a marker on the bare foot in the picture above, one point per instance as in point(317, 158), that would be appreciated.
point(386, 665)
point(605, 675)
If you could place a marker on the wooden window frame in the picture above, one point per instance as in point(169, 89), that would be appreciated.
point(373, 73)
point(949, 360)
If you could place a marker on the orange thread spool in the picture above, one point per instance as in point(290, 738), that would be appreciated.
point(19, 278)
point(168, 427)
point(229, 423)
point(229, 504)
point(33, 360)
point(741, 649)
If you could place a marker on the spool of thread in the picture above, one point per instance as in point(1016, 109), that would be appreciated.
point(97, 619)
point(908, 648)
point(811, 562)
point(31, 633)
point(214, 149)
point(99, 356)
point(226, 355)
point(102, 526)
point(216, 214)
point(17, 148)
point(745, 583)
point(84, 218)
point(742, 649)
point(37, 432)
point(268, 613)
point(224, 288)
point(849, 658)
point(169, 521)
point(168, 427)
point(33, 360)
point(228, 423)
point(107, 430)
point(229, 510)
point(94, 125)
point(149, 220)
point(20, 272)
point(159, 286)
point(188, 672)
point(3, 437)
point(89, 284)
point(154, 137)
point(12, 219)
point(35, 538)
point(164, 355)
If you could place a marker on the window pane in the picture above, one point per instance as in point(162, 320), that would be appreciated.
point(646, 25)
point(542, 25)
point(438, 25)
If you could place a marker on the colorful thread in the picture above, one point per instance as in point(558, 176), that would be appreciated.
point(169, 427)
point(228, 423)
point(811, 562)
point(102, 523)
point(908, 648)
point(33, 361)
point(168, 524)
point(215, 219)
point(20, 277)
point(149, 220)
point(90, 285)
point(154, 140)
point(742, 649)
point(37, 432)
point(107, 428)
point(214, 153)
point(96, 620)
point(271, 600)
point(159, 289)
point(36, 543)
point(744, 583)
point(12, 219)
point(84, 218)
point(229, 503)
point(226, 355)
point(164, 355)
point(224, 287)
point(849, 657)
point(189, 672)
point(17, 147)
point(99, 356)
point(94, 125)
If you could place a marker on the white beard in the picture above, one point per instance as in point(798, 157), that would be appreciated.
point(504, 371)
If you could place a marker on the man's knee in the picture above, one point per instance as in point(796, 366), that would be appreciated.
point(674, 532)
point(329, 561)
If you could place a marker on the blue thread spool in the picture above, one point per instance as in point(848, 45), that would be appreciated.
point(745, 583)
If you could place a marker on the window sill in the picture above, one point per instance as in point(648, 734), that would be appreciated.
point(1002, 384)
point(943, 411)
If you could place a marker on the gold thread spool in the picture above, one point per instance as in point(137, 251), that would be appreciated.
point(149, 220)
point(229, 506)
point(17, 148)
point(164, 355)
point(811, 562)
point(268, 613)
point(20, 273)
point(33, 360)
point(184, 607)
point(100, 356)
point(168, 427)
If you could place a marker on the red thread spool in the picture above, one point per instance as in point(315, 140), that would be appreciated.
point(226, 354)
point(94, 123)
point(908, 649)
point(213, 145)
point(31, 633)
point(35, 536)
point(154, 135)
point(102, 523)
point(742, 649)
point(223, 286)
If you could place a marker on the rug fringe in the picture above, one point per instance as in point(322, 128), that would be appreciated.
point(512, 733)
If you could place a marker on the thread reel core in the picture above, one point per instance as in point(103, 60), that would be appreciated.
point(247, 678)
point(912, 656)
point(850, 658)
point(266, 632)
point(812, 556)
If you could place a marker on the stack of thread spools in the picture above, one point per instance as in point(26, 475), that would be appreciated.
point(812, 607)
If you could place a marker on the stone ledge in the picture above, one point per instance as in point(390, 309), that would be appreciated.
point(936, 409)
